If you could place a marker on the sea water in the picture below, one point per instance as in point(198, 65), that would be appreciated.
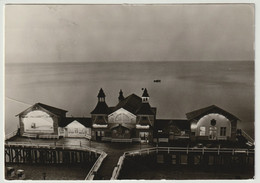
point(184, 87)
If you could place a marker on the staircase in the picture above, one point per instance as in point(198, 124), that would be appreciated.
point(245, 137)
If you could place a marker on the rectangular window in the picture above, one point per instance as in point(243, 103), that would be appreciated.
point(98, 133)
point(223, 131)
point(202, 131)
point(102, 133)
point(33, 125)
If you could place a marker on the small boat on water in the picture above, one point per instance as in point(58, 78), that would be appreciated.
point(157, 81)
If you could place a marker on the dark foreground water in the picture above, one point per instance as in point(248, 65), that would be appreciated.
point(185, 86)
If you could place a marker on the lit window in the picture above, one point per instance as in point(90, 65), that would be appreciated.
point(159, 130)
point(223, 131)
point(102, 133)
point(202, 131)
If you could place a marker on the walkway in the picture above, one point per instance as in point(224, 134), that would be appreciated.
point(113, 150)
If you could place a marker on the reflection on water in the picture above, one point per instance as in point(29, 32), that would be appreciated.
point(184, 86)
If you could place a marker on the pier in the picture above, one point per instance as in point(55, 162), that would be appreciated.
point(46, 154)
point(34, 152)
point(192, 157)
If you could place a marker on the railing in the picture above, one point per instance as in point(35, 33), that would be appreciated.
point(121, 140)
point(108, 139)
point(118, 168)
point(189, 150)
point(250, 139)
point(10, 135)
point(96, 166)
point(54, 145)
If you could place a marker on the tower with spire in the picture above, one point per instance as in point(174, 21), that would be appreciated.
point(145, 96)
point(121, 96)
point(145, 117)
point(100, 116)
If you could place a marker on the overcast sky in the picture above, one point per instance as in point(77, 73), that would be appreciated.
point(89, 33)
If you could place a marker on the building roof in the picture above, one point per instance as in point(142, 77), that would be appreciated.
point(145, 93)
point(146, 109)
point(131, 103)
point(144, 121)
point(182, 124)
point(100, 120)
point(101, 108)
point(54, 110)
point(101, 93)
point(210, 109)
point(85, 121)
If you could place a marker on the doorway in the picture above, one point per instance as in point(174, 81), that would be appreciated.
point(212, 133)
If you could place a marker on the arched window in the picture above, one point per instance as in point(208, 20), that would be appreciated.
point(38, 121)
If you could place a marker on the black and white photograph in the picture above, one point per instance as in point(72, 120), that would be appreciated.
point(129, 91)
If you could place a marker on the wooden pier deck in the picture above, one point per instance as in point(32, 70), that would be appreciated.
point(185, 156)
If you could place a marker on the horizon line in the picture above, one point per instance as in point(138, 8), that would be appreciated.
point(82, 62)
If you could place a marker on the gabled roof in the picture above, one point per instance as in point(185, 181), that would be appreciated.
point(146, 109)
point(101, 108)
point(210, 109)
point(82, 120)
point(100, 120)
point(144, 121)
point(131, 103)
point(182, 124)
point(54, 110)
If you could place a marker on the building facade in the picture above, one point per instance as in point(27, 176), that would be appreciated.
point(132, 119)
point(41, 120)
point(75, 127)
point(212, 123)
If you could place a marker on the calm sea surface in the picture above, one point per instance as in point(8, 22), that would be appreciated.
point(184, 87)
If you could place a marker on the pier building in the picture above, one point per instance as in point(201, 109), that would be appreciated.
point(75, 127)
point(133, 119)
point(212, 123)
point(41, 120)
